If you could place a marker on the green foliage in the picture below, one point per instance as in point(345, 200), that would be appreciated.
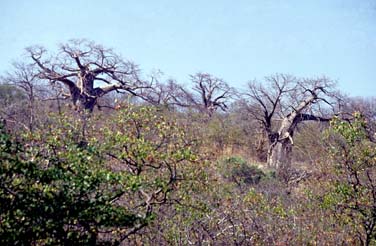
point(222, 131)
point(352, 194)
point(239, 171)
point(136, 176)
point(60, 196)
point(88, 181)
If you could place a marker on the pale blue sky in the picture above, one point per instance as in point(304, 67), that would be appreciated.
point(235, 40)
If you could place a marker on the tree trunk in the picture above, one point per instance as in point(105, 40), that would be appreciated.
point(84, 99)
point(279, 153)
point(86, 103)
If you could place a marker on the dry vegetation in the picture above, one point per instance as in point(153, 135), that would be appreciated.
point(92, 153)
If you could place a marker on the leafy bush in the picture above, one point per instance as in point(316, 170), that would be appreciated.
point(51, 199)
point(352, 189)
point(87, 180)
point(239, 171)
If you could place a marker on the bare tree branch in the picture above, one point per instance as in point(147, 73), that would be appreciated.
point(80, 64)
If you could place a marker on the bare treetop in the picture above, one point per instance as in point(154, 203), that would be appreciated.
point(281, 103)
point(282, 94)
point(270, 99)
point(213, 91)
point(87, 70)
point(208, 94)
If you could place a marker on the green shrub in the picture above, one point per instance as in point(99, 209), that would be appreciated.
point(352, 187)
point(89, 181)
point(239, 171)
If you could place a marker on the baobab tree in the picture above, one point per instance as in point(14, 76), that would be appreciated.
point(163, 94)
point(87, 72)
point(281, 105)
point(208, 94)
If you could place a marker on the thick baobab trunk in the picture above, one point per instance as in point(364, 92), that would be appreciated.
point(279, 153)
point(87, 103)
point(82, 100)
point(280, 150)
point(84, 96)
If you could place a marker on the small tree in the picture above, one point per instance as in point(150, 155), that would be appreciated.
point(25, 78)
point(12, 106)
point(353, 194)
